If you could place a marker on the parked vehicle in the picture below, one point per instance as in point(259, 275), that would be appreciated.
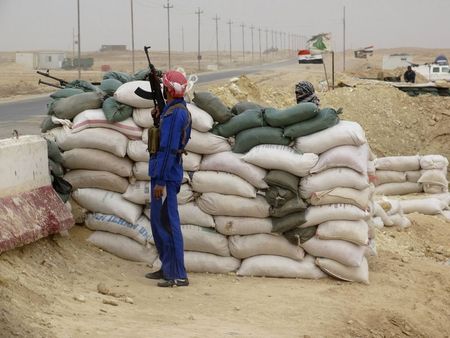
point(72, 63)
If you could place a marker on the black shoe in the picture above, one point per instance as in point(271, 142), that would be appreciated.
point(174, 282)
point(155, 275)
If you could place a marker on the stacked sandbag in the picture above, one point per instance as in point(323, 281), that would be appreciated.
point(433, 174)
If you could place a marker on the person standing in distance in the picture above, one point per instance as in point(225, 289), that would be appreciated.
point(166, 172)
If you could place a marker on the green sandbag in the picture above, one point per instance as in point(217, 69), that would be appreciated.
point(251, 118)
point(109, 86)
point(213, 106)
point(71, 106)
point(277, 197)
point(247, 139)
point(83, 85)
point(141, 75)
point(326, 118)
point(50, 107)
point(288, 222)
point(53, 152)
point(122, 77)
point(283, 179)
point(299, 236)
point(47, 124)
point(55, 168)
point(65, 92)
point(116, 111)
point(242, 106)
point(295, 204)
point(282, 118)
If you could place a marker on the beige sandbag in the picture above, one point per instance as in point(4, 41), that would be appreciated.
point(355, 232)
point(207, 143)
point(96, 179)
point(126, 94)
point(143, 117)
point(341, 251)
point(379, 212)
point(185, 195)
point(232, 163)
point(138, 192)
point(375, 223)
point(434, 188)
point(93, 159)
point(140, 171)
point(351, 274)
point(141, 232)
point(434, 177)
point(137, 151)
point(319, 214)
point(191, 161)
point(229, 226)
point(190, 213)
point(359, 198)
point(145, 136)
point(398, 163)
point(201, 120)
point(277, 266)
point(124, 247)
point(107, 202)
point(201, 239)
point(426, 206)
point(400, 220)
point(272, 156)
point(264, 244)
point(413, 176)
point(433, 162)
point(398, 188)
point(206, 262)
point(344, 133)
point(230, 205)
point(223, 183)
point(104, 139)
point(389, 176)
point(78, 212)
point(332, 178)
point(353, 157)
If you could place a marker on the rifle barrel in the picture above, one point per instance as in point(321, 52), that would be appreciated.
point(61, 81)
point(49, 84)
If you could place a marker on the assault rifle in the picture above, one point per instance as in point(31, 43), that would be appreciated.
point(50, 84)
point(47, 74)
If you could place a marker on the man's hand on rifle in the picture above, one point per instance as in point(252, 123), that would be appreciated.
point(158, 191)
point(155, 113)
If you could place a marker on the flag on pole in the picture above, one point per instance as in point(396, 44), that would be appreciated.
point(319, 43)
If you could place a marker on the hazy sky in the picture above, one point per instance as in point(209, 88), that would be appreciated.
point(48, 24)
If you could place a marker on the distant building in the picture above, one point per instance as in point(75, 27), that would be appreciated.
point(40, 60)
point(397, 61)
point(113, 48)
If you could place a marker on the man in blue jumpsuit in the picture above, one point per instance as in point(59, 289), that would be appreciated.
point(166, 172)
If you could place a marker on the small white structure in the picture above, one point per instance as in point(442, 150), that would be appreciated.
point(28, 60)
point(434, 71)
point(41, 60)
point(393, 61)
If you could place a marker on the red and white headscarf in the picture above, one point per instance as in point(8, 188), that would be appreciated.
point(175, 82)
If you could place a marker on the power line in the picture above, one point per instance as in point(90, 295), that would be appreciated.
point(168, 7)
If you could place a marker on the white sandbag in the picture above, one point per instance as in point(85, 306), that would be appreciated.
point(229, 205)
point(350, 274)
point(201, 239)
point(400, 220)
point(390, 206)
point(332, 178)
point(140, 171)
point(272, 156)
point(434, 188)
point(95, 118)
point(359, 198)
point(277, 266)
point(229, 226)
point(375, 222)
point(96, 179)
point(124, 247)
point(379, 212)
point(398, 163)
point(355, 232)
point(126, 94)
point(344, 133)
point(207, 143)
point(433, 162)
point(390, 176)
point(96, 138)
point(137, 151)
point(141, 232)
point(185, 195)
point(143, 117)
point(206, 262)
point(93, 159)
point(222, 183)
point(232, 163)
point(353, 157)
point(412, 176)
point(191, 161)
point(319, 214)
point(426, 206)
point(201, 120)
point(138, 192)
point(190, 213)
point(341, 251)
point(434, 177)
point(145, 136)
point(107, 202)
point(404, 188)
point(264, 244)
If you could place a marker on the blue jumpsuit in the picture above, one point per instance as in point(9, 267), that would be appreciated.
point(166, 169)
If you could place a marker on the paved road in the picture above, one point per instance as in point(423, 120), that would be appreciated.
point(23, 109)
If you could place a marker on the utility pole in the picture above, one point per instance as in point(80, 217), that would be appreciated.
point(243, 43)
point(168, 7)
point(251, 29)
point(79, 41)
point(267, 40)
point(272, 46)
point(216, 19)
point(132, 32)
point(199, 57)
point(229, 23)
point(260, 52)
point(343, 24)
point(182, 38)
point(73, 43)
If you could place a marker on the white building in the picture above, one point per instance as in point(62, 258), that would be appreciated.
point(397, 61)
point(40, 60)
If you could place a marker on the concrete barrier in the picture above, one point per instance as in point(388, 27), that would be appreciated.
point(29, 207)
